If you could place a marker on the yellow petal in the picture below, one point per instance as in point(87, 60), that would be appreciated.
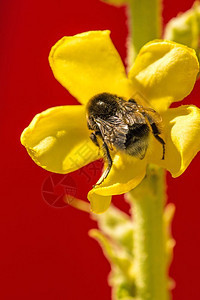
point(181, 133)
point(164, 72)
point(99, 204)
point(88, 64)
point(58, 139)
point(126, 173)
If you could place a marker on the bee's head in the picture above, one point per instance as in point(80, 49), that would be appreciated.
point(102, 105)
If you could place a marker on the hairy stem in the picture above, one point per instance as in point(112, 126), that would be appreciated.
point(147, 202)
point(145, 24)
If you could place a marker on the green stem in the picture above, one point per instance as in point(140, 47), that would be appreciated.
point(148, 199)
point(147, 202)
point(145, 24)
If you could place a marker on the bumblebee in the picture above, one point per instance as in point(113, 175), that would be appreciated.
point(122, 126)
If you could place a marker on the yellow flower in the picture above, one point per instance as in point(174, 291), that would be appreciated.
point(88, 64)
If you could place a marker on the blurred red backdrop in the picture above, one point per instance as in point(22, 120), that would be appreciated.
point(45, 251)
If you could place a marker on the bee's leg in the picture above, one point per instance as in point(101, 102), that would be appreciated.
point(93, 137)
point(156, 133)
point(109, 161)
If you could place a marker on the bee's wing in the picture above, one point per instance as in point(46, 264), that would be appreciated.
point(131, 113)
point(152, 116)
point(113, 130)
point(137, 114)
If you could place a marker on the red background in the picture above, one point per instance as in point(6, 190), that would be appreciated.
point(45, 251)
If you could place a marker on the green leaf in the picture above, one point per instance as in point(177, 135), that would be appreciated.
point(121, 277)
point(117, 256)
point(118, 226)
point(123, 290)
point(169, 241)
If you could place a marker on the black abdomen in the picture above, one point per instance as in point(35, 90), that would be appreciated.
point(137, 140)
